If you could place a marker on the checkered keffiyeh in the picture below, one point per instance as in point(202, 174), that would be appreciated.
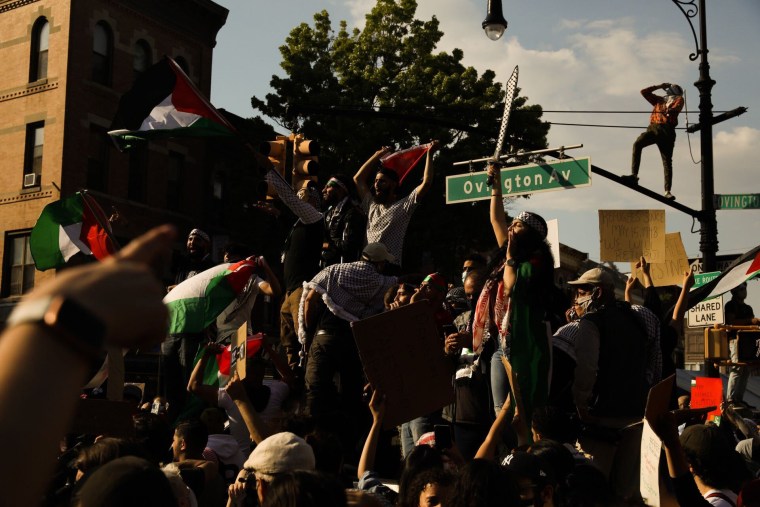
point(531, 220)
point(387, 223)
point(351, 291)
point(307, 213)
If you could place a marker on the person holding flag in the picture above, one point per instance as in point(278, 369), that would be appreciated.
point(388, 214)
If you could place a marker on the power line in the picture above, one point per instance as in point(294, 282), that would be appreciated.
point(603, 126)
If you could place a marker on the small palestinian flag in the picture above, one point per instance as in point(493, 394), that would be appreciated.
point(67, 227)
point(164, 103)
point(217, 370)
point(196, 303)
point(742, 269)
point(402, 162)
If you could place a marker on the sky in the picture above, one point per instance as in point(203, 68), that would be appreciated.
point(573, 56)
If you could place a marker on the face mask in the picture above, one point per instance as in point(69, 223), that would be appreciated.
point(464, 275)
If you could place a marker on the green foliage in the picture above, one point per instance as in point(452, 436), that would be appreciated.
point(358, 90)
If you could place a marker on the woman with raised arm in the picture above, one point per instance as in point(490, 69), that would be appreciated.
point(510, 316)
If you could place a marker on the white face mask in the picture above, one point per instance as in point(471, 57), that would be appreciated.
point(464, 275)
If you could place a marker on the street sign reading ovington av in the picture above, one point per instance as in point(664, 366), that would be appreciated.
point(524, 179)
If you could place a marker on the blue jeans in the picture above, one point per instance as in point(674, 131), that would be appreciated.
point(499, 381)
point(737, 376)
point(411, 431)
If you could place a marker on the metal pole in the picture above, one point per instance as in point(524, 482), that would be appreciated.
point(708, 239)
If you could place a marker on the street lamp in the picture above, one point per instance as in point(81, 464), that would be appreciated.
point(494, 24)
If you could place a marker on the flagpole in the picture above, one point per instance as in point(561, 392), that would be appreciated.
point(105, 227)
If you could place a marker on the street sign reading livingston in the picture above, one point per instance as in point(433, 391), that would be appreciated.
point(737, 201)
point(525, 179)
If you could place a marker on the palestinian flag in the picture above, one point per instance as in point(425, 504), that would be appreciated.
point(218, 368)
point(402, 162)
point(164, 103)
point(742, 269)
point(69, 226)
point(196, 303)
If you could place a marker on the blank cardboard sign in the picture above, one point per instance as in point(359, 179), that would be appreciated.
point(402, 355)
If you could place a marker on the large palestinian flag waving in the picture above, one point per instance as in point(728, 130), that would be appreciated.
point(742, 269)
point(196, 303)
point(162, 103)
point(69, 226)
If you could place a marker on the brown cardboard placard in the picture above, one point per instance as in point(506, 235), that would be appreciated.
point(402, 354)
point(626, 235)
point(669, 272)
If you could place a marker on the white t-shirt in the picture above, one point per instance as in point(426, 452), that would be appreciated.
point(712, 497)
point(272, 414)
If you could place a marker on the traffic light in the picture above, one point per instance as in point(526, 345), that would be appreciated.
point(305, 161)
point(277, 151)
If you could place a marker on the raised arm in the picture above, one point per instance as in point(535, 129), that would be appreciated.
point(498, 217)
point(270, 286)
point(302, 209)
point(209, 394)
point(257, 428)
point(48, 362)
point(367, 459)
point(427, 177)
point(678, 310)
point(361, 178)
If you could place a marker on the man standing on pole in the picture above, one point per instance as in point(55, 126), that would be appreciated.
point(661, 131)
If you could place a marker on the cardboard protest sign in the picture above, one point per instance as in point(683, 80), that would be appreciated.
point(402, 354)
point(669, 272)
point(552, 236)
point(626, 235)
point(238, 352)
point(658, 401)
point(707, 392)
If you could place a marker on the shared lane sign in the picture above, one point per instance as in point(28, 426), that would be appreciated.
point(525, 179)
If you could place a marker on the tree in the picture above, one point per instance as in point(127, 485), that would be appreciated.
point(386, 85)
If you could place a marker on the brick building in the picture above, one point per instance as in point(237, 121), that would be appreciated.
point(65, 65)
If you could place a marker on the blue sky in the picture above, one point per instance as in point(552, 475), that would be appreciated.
point(579, 55)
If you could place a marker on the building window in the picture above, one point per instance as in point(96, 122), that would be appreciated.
point(143, 57)
point(18, 273)
point(176, 168)
point(35, 140)
point(38, 60)
point(97, 159)
point(102, 54)
point(138, 172)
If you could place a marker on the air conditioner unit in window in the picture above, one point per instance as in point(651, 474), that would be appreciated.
point(31, 180)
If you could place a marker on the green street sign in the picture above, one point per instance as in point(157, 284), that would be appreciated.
point(702, 278)
point(737, 201)
point(525, 179)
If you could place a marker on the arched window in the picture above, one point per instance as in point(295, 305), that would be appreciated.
point(143, 57)
point(38, 60)
point(102, 53)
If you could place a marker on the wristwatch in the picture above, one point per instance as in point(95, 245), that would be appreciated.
point(76, 326)
point(511, 263)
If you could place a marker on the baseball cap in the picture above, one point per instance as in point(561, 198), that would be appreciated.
point(530, 466)
point(282, 452)
point(595, 276)
point(376, 252)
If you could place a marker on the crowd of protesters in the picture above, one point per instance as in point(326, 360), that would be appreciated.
point(548, 399)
